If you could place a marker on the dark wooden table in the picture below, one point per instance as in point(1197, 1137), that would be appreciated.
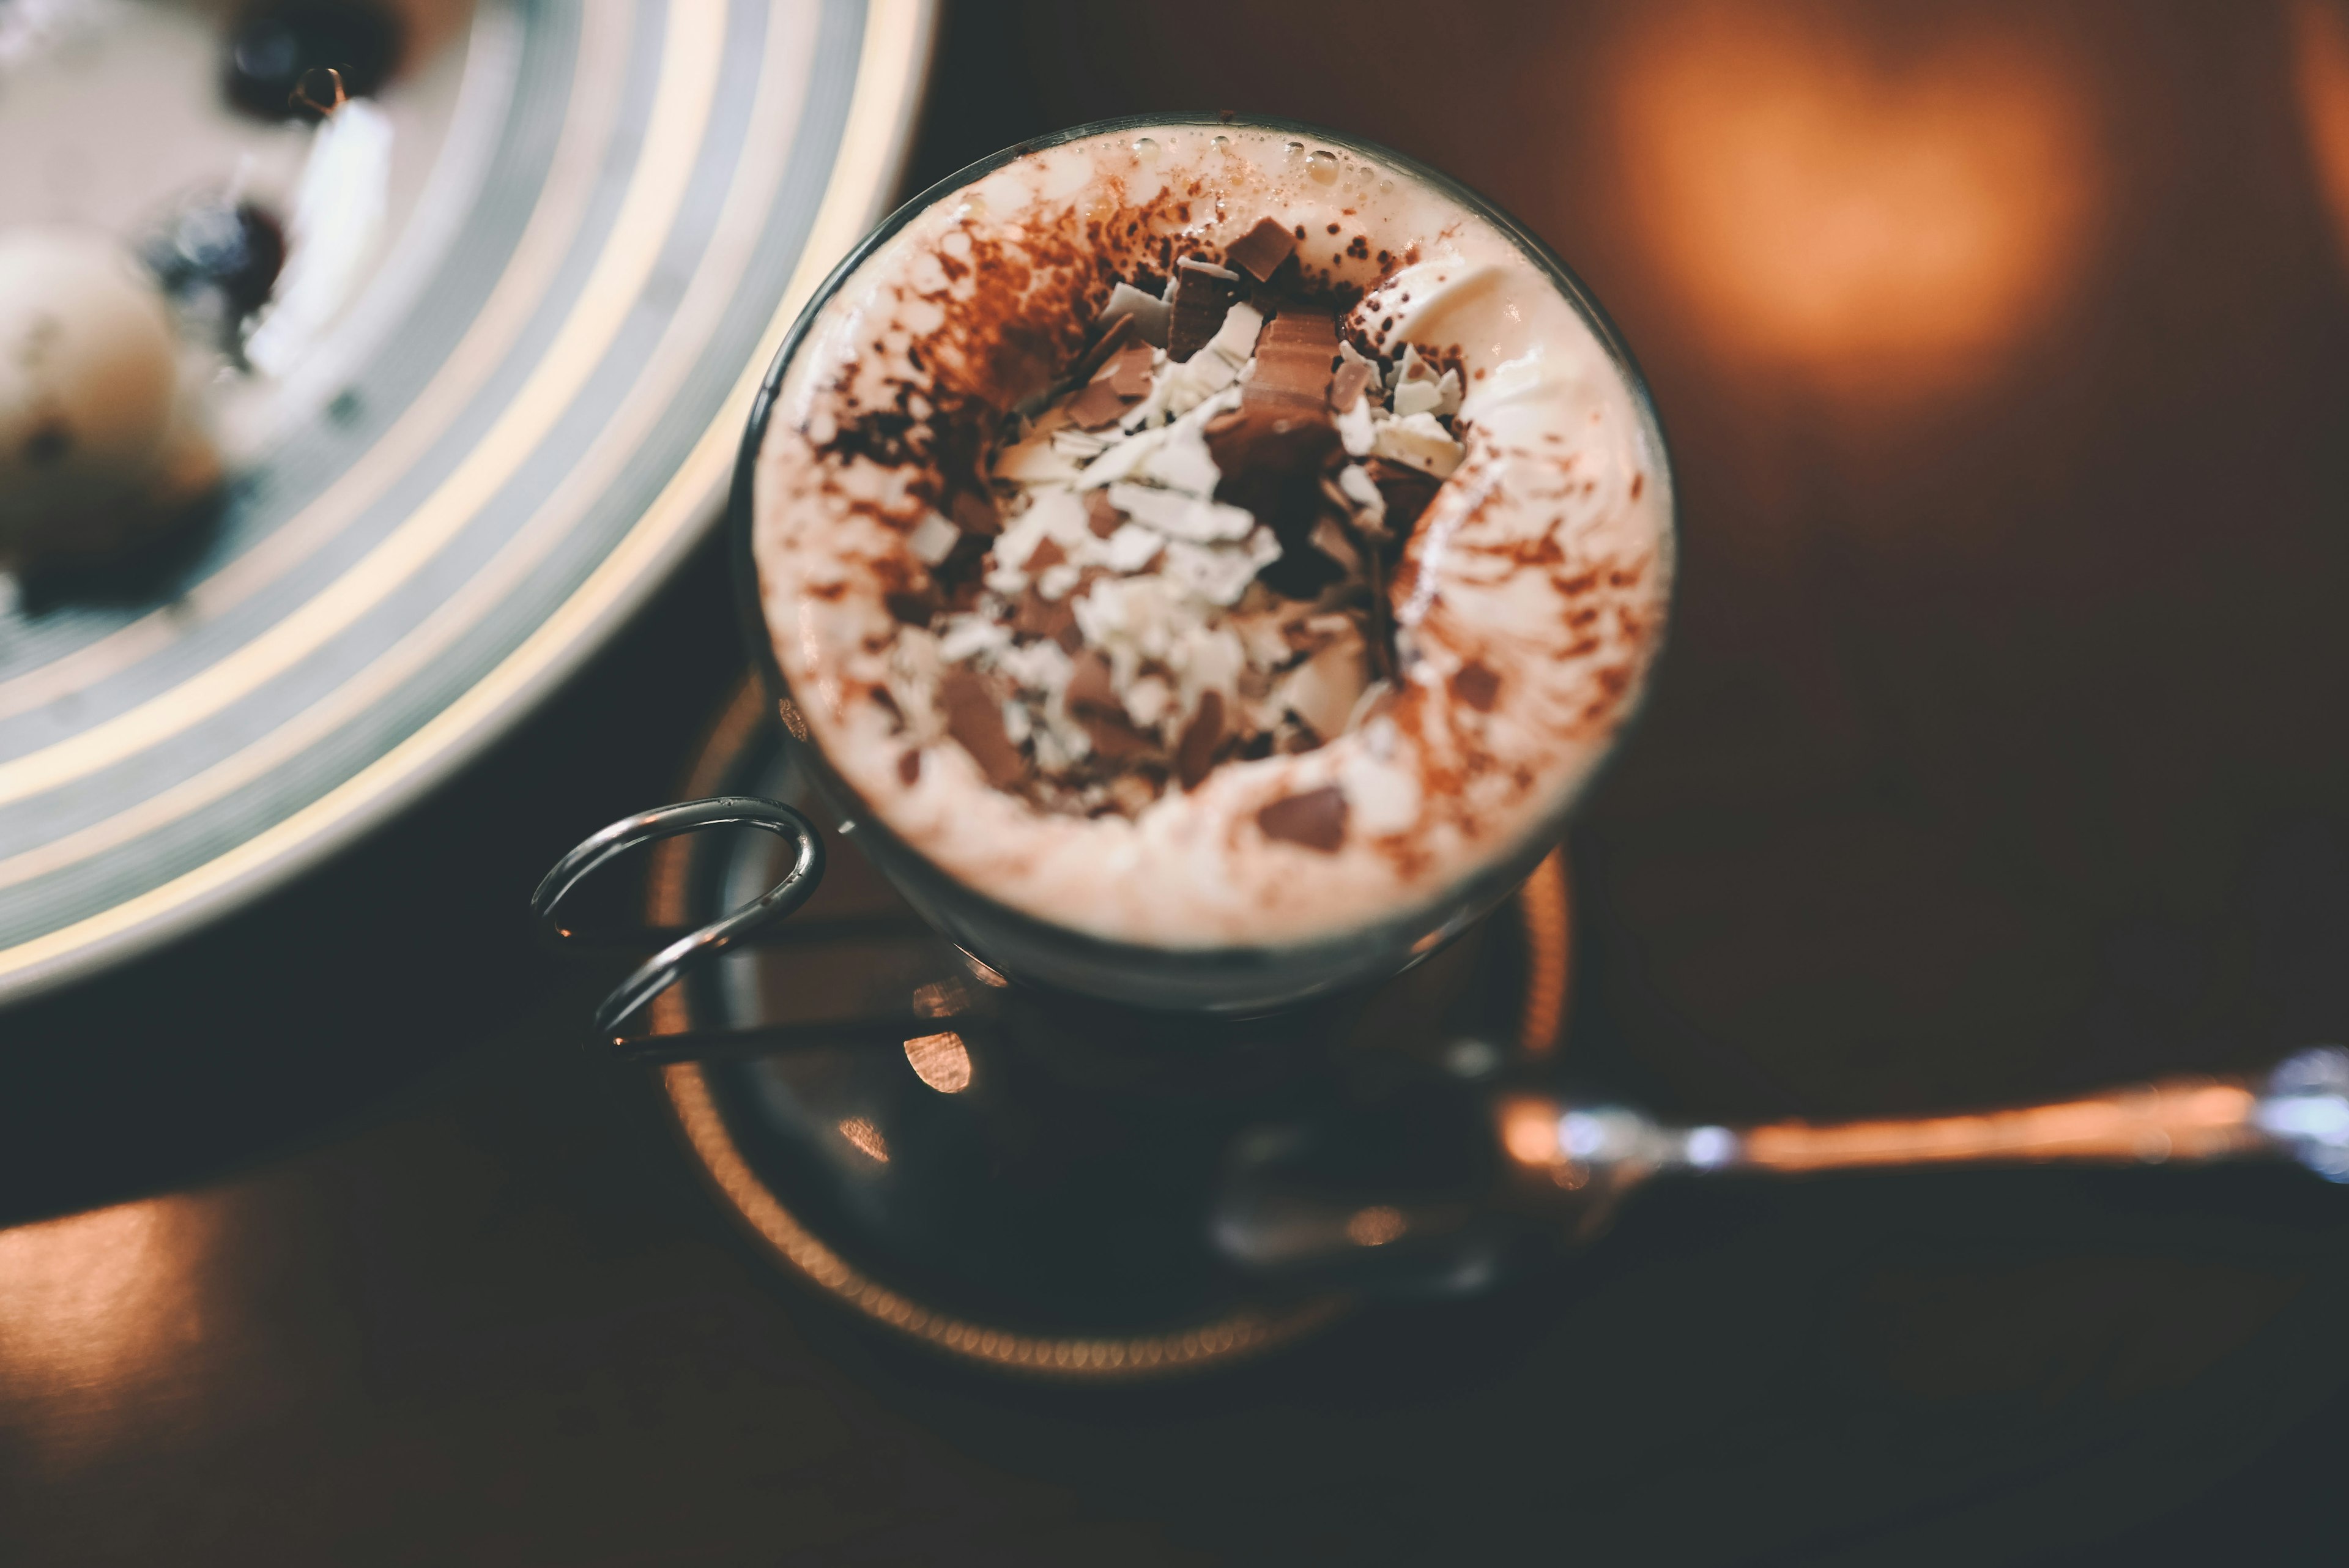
point(2004, 349)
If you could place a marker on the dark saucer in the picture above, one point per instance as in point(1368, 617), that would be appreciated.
point(1042, 1198)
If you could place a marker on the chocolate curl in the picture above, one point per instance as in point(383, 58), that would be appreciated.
point(1114, 338)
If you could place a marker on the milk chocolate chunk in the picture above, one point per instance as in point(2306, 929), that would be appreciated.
point(1093, 701)
point(1272, 463)
point(974, 719)
point(1260, 251)
point(1273, 447)
point(1129, 371)
point(912, 607)
point(1194, 753)
point(1251, 445)
point(1294, 357)
point(1121, 380)
point(1316, 819)
point(1203, 293)
point(1476, 685)
point(1037, 616)
point(909, 767)
point(974, 513)
point(1100, 403)
point(1282, 425)
point(1114, 736)
point(1090, 686)
point(1046, 553)
point(1100, 516)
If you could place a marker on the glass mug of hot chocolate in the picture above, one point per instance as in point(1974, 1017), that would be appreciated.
point(1206, 560)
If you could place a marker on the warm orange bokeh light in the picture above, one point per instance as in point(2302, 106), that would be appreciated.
point(941, 1061)
point(1529, 1130)
point(1818, 204)
point(865, 1138)
point(2320, 33)
point(96, 1307)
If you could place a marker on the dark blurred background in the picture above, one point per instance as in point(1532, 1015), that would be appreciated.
point(2003, 349)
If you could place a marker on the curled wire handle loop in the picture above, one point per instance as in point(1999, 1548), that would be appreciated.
point(665, 968)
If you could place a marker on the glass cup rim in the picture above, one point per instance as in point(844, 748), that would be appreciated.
point(739, 519)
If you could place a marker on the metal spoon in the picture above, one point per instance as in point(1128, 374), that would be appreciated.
point(1342, 1201)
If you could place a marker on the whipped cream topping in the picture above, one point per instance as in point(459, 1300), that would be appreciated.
point(1526, 607)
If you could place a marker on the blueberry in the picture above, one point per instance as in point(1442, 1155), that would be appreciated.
point(235, 251)
point(274, 43)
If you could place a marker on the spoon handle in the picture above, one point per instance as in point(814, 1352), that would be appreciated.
point(2300, 1111)
point(2176, 1119)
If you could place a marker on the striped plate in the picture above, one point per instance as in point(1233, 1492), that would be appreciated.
point(659, 185)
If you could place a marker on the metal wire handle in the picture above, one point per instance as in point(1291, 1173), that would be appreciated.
point(667, 966)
